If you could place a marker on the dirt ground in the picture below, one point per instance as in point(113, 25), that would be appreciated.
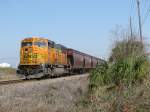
point(50, 95)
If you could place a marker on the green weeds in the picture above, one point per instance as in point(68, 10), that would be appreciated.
point(127, 65)
point(119, 84)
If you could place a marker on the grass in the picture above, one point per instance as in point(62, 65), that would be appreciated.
point(8, 70)
point(8, 74)
point(131, 99)
point(127, 65)
point(123, 83)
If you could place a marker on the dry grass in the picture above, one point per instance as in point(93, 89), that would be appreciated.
point(57, 95)
point(122, 85)
point(8, 70)
point(106, 99)
point(8, 74)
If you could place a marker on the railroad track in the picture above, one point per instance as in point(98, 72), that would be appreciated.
point(6, 82)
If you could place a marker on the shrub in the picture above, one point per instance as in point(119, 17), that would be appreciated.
point(99, 76)
point(128, 71)
point(127, 64)
point(127, 48)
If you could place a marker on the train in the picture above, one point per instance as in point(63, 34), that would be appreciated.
point(41, 57)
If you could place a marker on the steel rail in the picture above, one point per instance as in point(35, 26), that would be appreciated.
point(6, 82)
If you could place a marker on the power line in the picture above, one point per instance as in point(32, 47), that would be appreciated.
point(140, 4)
point(146, 16)
point(144, 5)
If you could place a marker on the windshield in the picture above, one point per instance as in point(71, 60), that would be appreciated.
point(40, 44)
point(26, 44)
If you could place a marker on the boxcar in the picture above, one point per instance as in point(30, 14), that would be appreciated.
point(87, 62)
point(75, 59)
point(94, 62)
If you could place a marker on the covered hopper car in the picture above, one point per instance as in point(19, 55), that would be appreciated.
point(40, 57)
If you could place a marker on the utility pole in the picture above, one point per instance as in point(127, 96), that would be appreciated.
point(139, 15)
point(131, 27)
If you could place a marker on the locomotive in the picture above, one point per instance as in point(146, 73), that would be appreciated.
point(41, 57)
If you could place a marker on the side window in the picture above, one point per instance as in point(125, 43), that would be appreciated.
point(26, 44)
point(51, 44)
point(40, 44)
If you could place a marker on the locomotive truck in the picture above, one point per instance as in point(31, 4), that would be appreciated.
point(41, 57)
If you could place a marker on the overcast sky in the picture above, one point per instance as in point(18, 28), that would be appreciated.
point(84, 25)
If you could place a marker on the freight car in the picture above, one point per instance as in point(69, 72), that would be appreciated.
point(40, 57)
point(80, 62)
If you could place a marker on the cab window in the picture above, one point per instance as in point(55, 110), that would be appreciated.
point(51, 44)
point(40, 44)
point(26, 44)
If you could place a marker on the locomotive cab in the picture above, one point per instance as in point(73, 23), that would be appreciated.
point(33, 55)
point(33, 51)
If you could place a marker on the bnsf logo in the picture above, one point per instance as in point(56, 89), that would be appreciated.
point(30, 56)
point(26, 56)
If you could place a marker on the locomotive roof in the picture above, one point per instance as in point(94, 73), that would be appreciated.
point(33, 38)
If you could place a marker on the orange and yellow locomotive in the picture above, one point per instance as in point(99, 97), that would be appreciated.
point(41, 57)
point(38, 55)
